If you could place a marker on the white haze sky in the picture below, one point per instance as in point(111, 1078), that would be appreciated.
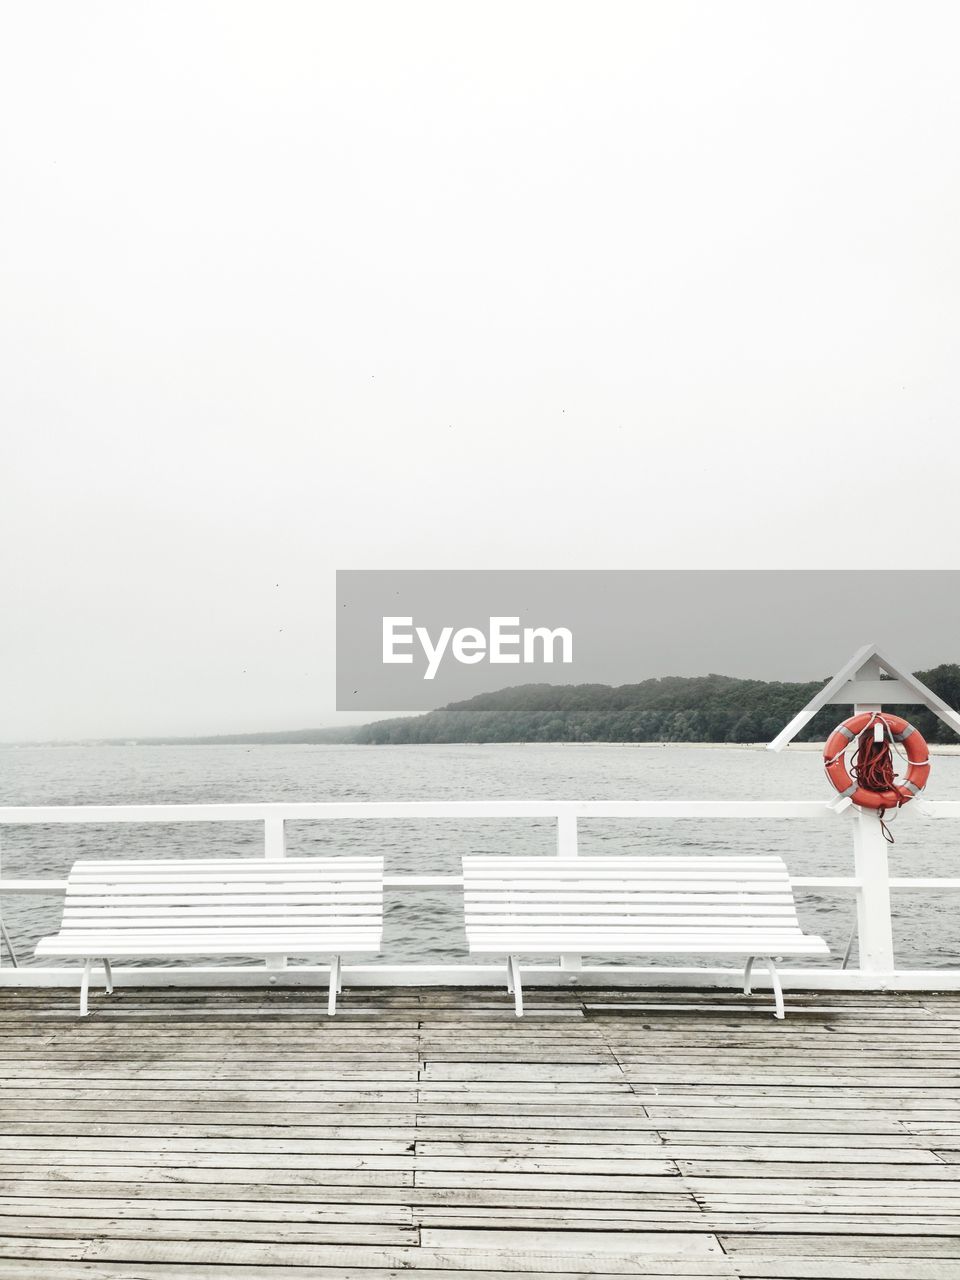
point(293, 287)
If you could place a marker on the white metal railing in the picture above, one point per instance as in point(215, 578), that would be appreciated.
point(871, 883)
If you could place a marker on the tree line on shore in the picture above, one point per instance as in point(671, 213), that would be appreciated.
point(712, 708)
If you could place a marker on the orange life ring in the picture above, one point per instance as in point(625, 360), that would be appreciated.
point(899, 731)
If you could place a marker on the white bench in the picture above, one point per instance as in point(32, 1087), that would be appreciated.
point(631, 905)
point(226, 907)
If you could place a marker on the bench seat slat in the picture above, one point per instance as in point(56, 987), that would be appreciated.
point(636, 946)
point(219, 922)
point(204, 884)
point(598, 923)
point(165, 947)
point(617, 937)
point(222, 914)
point(572, 888)
point(253, 862)
point(628, 902)
point(81, 941)
point(221, 883)
point(184, 901)
point(638, 865)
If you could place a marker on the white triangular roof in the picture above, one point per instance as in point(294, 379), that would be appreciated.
point(858, 681)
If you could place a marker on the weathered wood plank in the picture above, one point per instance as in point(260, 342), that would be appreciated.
point(65, 1225)
point(843, 1246)
point(396, 1259)
point(248, 1211)
point(26, 1269)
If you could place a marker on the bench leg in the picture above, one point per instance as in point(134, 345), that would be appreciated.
point(850, 941)
point(85, 987)
point(777, 989)
point(509, 975)
point(107, 977)
point(9, 945)
point(747, 986)
point(335, 985)
point(513, 968)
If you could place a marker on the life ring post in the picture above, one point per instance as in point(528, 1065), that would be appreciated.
point(872, 869)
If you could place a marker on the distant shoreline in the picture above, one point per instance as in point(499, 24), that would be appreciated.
point(936, 749)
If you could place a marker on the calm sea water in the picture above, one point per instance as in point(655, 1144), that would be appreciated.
point(428, 924)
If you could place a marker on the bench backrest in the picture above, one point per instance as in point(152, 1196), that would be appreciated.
point(236, 896)
point(703, 898)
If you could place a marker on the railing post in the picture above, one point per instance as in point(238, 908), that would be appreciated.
point(274, 848)
point(274, 841)
point(567, 847)
point(874, 923)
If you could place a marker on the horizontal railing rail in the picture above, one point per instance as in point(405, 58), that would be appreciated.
point(44, 888)
point(871, 883)
point(13, 815)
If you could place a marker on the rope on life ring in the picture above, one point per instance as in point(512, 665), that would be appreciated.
point(871, 781)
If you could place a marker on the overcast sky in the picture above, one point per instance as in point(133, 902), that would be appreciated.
point(290, 287)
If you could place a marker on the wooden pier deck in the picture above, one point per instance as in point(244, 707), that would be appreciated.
point(214, 1135)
